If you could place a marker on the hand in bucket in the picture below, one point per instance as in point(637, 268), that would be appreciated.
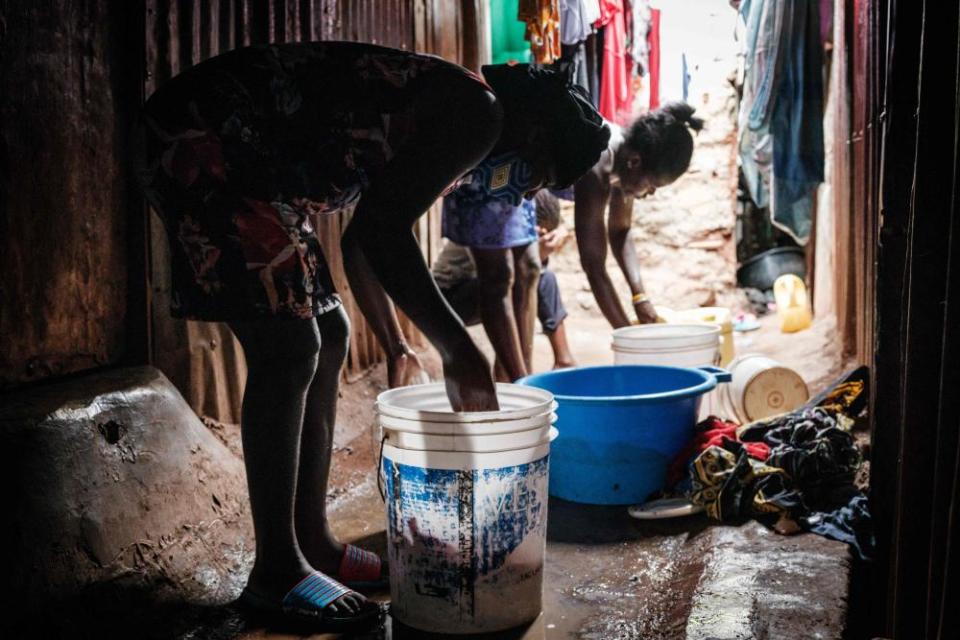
point(469, 381)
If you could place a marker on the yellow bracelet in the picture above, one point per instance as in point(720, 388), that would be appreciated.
point(640, 297)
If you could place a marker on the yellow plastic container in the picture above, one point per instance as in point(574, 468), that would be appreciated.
point(793, 303)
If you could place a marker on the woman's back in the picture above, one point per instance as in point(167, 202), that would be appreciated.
point(309, 120)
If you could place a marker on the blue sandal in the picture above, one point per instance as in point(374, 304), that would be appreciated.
point(307, 602)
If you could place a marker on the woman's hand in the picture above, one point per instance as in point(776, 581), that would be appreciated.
point(646, 314)
point(469, 380)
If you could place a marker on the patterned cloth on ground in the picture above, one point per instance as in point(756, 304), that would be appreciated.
point(808, 476)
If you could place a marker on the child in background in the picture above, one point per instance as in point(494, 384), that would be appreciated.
point(550, 309)
point(456, 274)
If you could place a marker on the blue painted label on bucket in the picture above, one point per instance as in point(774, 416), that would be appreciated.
point(466, 547)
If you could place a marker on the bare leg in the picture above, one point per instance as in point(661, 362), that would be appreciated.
point(319, 545)
point(495, 271)
point(281, 356)
point(526, 261)
point(562, 358)
point(552, 317)
point(403, 364)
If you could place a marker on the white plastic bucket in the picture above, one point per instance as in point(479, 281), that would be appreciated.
point(466, 501)
point(762, 387)
point(672, 345)
point(429, 402)
point(719, 316)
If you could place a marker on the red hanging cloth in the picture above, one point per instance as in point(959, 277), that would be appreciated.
point(616, 96)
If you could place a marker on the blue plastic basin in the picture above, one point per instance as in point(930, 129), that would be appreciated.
point(620, 427)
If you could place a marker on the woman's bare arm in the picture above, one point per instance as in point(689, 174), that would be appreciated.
point(619, 224)
point(591, 197)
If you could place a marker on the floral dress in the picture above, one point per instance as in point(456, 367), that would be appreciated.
point(243, 149)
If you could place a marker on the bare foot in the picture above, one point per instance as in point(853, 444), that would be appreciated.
point(405, 369)
point(567, 364)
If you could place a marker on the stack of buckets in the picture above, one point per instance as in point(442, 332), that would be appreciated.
point(672, 345)
point(760, 386)
point(466, 497)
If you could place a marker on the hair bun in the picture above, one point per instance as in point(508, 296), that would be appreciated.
point(684, 113)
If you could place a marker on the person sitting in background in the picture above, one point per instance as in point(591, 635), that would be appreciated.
point(653, 152)
point(456, 274)
point(550, 309)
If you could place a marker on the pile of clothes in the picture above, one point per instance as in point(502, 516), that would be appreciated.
point(794, 472)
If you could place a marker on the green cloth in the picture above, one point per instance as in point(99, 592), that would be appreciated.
point(507, 42)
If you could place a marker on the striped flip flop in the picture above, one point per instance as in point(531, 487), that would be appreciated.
point(307, 604)
point(362, 569)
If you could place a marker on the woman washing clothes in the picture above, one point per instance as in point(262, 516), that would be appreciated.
point(653, 152)
point(243, 151)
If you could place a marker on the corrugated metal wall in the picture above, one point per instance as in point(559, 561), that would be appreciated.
point(203, 359)
point(915, 465)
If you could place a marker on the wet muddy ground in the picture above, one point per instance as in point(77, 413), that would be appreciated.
point(607, 576)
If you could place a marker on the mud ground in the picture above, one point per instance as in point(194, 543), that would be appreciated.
point(607, 576)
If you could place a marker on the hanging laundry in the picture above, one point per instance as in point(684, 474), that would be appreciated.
point(591, 11)
point(574, 58)
point(576, 27)
point(542, 18)
point(576, 20)
point(781, 113)
point(653, 56)
point(826, 21)
point(638, 30)
point(797, 123)
point(594, 50)
point(616, 95)
point(764, 26)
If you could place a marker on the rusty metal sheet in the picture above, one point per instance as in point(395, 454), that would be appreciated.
point(64, 119)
